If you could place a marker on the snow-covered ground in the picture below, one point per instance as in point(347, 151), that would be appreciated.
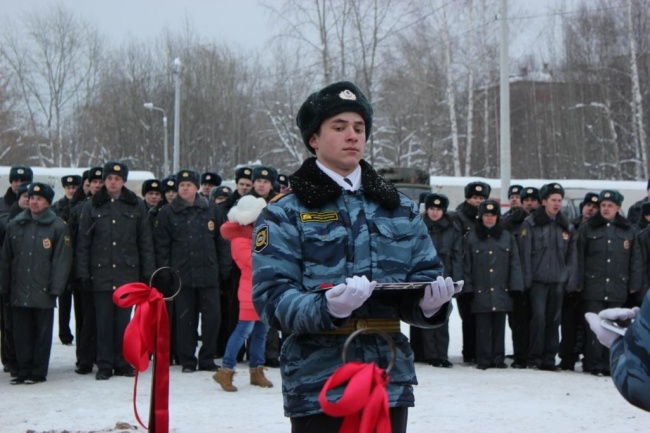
point(460, 399)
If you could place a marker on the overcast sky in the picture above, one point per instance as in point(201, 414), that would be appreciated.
point(242, 22)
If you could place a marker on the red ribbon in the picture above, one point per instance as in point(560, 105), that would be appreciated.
point(364, 402)
point(148, 334)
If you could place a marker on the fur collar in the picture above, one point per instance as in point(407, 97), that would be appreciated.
point(127, 196)
point(10, 197)
point(438, 226)
point(514, 218)
point(316, 189)
point(483, 232)
point(541, 218)
point(468, 210)
point(598, 221)
point(178, 204)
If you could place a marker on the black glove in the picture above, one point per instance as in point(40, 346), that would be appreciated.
point(84, 284)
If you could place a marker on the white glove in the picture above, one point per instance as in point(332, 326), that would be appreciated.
point(605, 336)
point(343, 299)
point(437, 294)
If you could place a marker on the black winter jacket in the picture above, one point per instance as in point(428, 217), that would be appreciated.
point(492, 269)
point(114, 241)
point(188, 239)
point(548, 250)
point(609, 259)
point(36, 260)
point(448, 241)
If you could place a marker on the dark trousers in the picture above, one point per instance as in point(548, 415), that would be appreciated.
point(7, 350)
point(596, 355)
point(321, 423)
point(490, 338)
point(546, 309)
point(64, 312)
point(229, 310)
point(519, 322)
point(464, 303)
point(435, 343)
point(191, 302)
point(571, 325)
point(111, 324)
point(33, 335)
point(86, 327)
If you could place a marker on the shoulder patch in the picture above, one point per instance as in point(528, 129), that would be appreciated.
point(261, 238)
point(67, 241)
point(523, 233)
point(319, 217)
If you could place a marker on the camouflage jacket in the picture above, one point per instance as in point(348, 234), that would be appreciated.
point(318, 234)
point(630, 357)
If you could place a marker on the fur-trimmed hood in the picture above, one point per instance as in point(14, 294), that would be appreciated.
point(127, 196)
point(541, 218)
point(315, 189)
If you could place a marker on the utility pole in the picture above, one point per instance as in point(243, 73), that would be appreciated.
point(177, 112)
point(504, 97)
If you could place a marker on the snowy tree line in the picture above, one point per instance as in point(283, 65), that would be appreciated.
point(578, 109)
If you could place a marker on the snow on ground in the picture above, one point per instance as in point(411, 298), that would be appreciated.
point(460, 399)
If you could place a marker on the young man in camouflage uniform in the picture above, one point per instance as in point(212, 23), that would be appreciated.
point(341, 219)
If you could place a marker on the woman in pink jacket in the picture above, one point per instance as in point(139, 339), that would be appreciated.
point(239, 231)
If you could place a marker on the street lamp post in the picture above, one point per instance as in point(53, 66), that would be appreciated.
point(150, 106)
point(177, 112)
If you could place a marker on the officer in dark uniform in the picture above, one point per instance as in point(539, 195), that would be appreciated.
point(572, 324)
point(432, 345)
point(84, 306)
point(33, 275)
point(514, 197)
point(220, 194)
point(188, 240)
point(643, 238)
point(465, 218)
point(62, 209)
point(634, 212)
point(114, 247)
point(609, 263)
point(209, 181)
point(283, 180)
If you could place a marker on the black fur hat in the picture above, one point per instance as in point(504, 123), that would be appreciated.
point(437, 200)
point(71, 180)
point(530, 191)
point(334, 99)
point(21, 172)
point(477, 188)
point(210, 178)
point(41, 189)
point(551, 188)
point(611, 195)
point(515, 189)
point(118, 168)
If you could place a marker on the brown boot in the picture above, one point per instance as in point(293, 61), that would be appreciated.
point(224, 378)
point(258, 378)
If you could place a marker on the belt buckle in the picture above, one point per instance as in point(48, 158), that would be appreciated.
point(361, 324)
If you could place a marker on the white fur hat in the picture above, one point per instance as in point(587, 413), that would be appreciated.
point(247, 210)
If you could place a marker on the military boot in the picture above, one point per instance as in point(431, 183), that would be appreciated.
point(258, 378)
point(224, 378)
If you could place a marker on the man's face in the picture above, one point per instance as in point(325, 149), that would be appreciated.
point(262, 187)
point(114, 184)
point(69, 191)
point(435, 213)
point(170, 195)
point(220, 199)
point(86, 186)
point(552, 204)
point(37, 205)
point(609, 209)
point(244, 186)
point(340, 142)
point(515, 200)
point(589, 210)
point(15, 184)
point(187, 190)
point(489, 219)
point(95, 186)
point(475, 200)
point(530, 204)
point(152, 198)
point(23, 201)
point(206, 188)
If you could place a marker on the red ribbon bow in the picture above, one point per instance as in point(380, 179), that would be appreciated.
point(364, 403)
point(148, 334)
